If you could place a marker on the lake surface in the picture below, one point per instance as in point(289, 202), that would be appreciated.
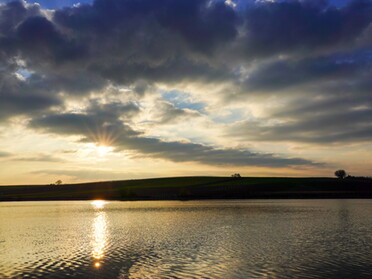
point(194, 239)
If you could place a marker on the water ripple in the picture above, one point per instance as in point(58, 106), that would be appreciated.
point(211, 239)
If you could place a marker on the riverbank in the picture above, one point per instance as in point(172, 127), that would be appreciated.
point(192, 188)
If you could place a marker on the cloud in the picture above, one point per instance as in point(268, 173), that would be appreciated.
point(101, 174)
point(351, 126)
point(193, 152)
point(183, 100)
point(100, 123)
point(288, 27)
point(4, 154)
point(55, 4)
point(82, 48)
point(169, 41)
point(20, 97)
point(103, 126)
point(39, 158)
point(167, 113)
point(68, 151)
point(324, 100)
point(313, 55)
point(285, 73)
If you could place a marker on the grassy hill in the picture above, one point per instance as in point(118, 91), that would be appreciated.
point(184, 188)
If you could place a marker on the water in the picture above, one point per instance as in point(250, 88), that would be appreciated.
point(195, 239)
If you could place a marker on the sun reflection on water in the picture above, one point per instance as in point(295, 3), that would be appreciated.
point(98, 204)
point(99, 233)
point(97, 264)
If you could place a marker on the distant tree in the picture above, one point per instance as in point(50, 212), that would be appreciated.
point(340, 173)
point(58, 182)
point(236, 175)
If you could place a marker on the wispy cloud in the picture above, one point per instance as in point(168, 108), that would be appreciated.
point(39, 158)
point(4, 154)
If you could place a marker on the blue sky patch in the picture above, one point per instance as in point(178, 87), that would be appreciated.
point(183, 100)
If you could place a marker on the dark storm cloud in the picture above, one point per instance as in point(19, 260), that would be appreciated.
point(201, 25)
point(198, 40)
point(19, 97)
point(13, 14)
point(311, 26)
point(285, 73)
point(38, 93)
point(40, 41)
point(28, 34)
point(152, 40)
point(160, 30)
point(93, 127)
point(169, 40)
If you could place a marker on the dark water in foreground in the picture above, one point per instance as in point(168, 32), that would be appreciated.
point(196, 239)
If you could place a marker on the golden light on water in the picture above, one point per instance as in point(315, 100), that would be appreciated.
point(98, 204)
point(97, 264)
point(99, 233)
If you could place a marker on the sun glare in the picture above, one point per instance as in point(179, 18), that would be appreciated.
point(99, 236)
point(97, 265)
point(103, 150)
point(98, 203)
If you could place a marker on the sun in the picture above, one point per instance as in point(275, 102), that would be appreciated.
point(103, 150)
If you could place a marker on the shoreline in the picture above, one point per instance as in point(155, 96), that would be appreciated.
point(203, 199)
point(195, 188)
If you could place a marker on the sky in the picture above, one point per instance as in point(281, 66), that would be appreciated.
point(126, 89)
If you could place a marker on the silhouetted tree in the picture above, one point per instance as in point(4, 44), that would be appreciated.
point(58, 182)
point(340, 173)
point(236, 175)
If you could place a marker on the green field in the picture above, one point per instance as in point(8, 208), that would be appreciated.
point(182, 188)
